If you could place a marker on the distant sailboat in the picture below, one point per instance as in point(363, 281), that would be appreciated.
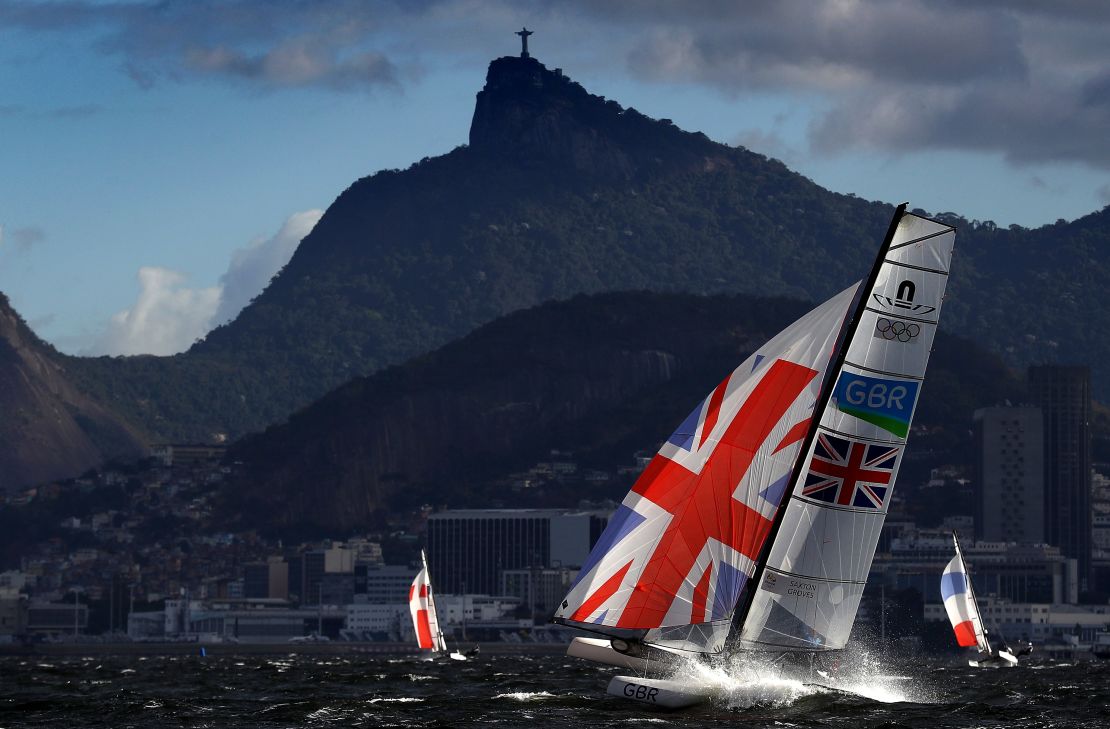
point(422, 606)
point(754, 527)
point(963, 613)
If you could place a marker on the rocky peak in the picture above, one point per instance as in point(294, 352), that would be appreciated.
point(50, 429)
point(533, 114)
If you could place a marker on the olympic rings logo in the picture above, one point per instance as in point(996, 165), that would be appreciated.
point(896, 329)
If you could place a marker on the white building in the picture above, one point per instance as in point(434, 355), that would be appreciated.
point(1041, 623)
point(367, 620)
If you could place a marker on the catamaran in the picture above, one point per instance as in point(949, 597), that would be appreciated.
point(967, 622)
point(754, 526)
point(422, 606)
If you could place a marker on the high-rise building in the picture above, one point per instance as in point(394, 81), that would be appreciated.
point(469, 549)
point(1009, 471)
point(307, 573)
point(1064, 396)
point(269, 579)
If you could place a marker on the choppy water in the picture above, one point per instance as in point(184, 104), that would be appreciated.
point(526, 691)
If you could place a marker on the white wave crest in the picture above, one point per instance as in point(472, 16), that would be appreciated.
point(526, 695)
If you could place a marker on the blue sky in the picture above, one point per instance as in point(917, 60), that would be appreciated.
point(159, 161)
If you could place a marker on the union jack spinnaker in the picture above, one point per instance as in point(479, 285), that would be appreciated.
point(757, 520)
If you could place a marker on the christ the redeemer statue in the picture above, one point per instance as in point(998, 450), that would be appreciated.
point(524, 33)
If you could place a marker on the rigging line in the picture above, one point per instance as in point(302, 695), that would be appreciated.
point(855, 366)
point(865, 439)
point(918, 268)
point(948, 229)
point(834, 507)
point(849, 331)
point(817, 577)
point(901, 316)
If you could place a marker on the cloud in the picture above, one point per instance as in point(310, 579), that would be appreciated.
point(22, 239)
point(168, 316)
point(273, 44)
point(1027, 81)
point(252, 267)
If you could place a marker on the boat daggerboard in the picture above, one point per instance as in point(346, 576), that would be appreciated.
point(422, 607)
point(960, 604)
point(811, 584)
point(679, 552)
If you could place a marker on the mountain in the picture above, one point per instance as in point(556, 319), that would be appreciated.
point(49, 428)
point(562, 192)
point(601, 376)
point(559, 193)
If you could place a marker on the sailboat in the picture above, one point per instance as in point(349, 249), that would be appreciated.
point(963, 613)
point(754, 526)
point(422, 607)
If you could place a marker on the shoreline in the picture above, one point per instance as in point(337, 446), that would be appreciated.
point(231, 649)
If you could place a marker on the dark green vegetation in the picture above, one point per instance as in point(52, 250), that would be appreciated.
point(601, 376)
point(561, 193)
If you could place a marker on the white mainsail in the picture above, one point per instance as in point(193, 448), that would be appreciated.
point(811, 585)
point(679, 553)
point(422, 607)
point(960, 603)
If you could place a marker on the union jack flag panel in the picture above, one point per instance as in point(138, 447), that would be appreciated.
point(683, 543)
point(851, 473)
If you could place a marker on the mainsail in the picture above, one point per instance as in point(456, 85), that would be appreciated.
point(422, 606)
point(821, 413)
point(960, 604)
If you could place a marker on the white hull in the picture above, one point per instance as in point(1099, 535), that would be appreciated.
point(456, 656)
point(658, 692)
point(600, 650)
point(1004, 659)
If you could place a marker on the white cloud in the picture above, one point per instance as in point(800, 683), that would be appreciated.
point(22, 240)
point(168, 316)
point(252, 267)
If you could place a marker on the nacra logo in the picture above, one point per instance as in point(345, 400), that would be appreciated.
point(904, 299)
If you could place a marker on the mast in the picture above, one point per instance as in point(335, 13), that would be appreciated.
point(971, 593)
point(849, 330)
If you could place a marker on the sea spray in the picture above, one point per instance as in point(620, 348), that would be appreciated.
point(775, 680)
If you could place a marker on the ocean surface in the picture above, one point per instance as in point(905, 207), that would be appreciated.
point(356, 690)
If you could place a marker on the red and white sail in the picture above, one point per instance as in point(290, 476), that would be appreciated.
point(960, 604)
point(422, 606)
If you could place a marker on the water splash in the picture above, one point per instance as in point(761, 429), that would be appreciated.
point(749, 680)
